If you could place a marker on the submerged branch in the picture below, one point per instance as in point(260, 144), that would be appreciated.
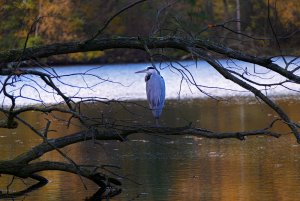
point(41, 182)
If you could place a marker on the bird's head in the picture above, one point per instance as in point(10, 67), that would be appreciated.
point(149, 70)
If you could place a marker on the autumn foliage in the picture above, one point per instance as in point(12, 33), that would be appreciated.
point(67, 20)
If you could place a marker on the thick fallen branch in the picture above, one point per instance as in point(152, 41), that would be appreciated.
point(41, 182)
point(122, 134)
point(22, 165)
point(30, 170)
point(139, 43)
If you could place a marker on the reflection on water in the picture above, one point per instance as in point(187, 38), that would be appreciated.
point(177, 168)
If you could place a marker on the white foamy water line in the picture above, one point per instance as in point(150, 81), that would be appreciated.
point(119, 82)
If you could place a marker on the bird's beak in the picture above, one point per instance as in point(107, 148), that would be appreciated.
point(142, 71)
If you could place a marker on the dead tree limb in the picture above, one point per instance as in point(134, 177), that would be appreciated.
point(23, 166)
point(136, 43)
point(252, 89)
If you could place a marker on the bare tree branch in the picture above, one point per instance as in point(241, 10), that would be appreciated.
point(112, 17)
point(255, 91)
point(135, 43)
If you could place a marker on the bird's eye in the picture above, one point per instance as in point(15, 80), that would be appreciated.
point(147, 77)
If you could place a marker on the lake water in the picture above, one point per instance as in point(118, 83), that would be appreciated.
point(119, 82)
point(172, 168)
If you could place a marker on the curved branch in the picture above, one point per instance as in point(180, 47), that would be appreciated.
point(96, 177)
point(121, 134)
point(252, 89)
point(41, 182)
point(30, 170)
point(23, 165)
point(136, 43)
point(112, 17)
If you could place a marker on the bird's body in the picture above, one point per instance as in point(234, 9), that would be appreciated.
point(155, 89)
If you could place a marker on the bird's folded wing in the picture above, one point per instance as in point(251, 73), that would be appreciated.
point(155, 88)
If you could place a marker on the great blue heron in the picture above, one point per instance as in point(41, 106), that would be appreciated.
point(155, 89)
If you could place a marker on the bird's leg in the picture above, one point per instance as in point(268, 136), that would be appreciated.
point(157, 122)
